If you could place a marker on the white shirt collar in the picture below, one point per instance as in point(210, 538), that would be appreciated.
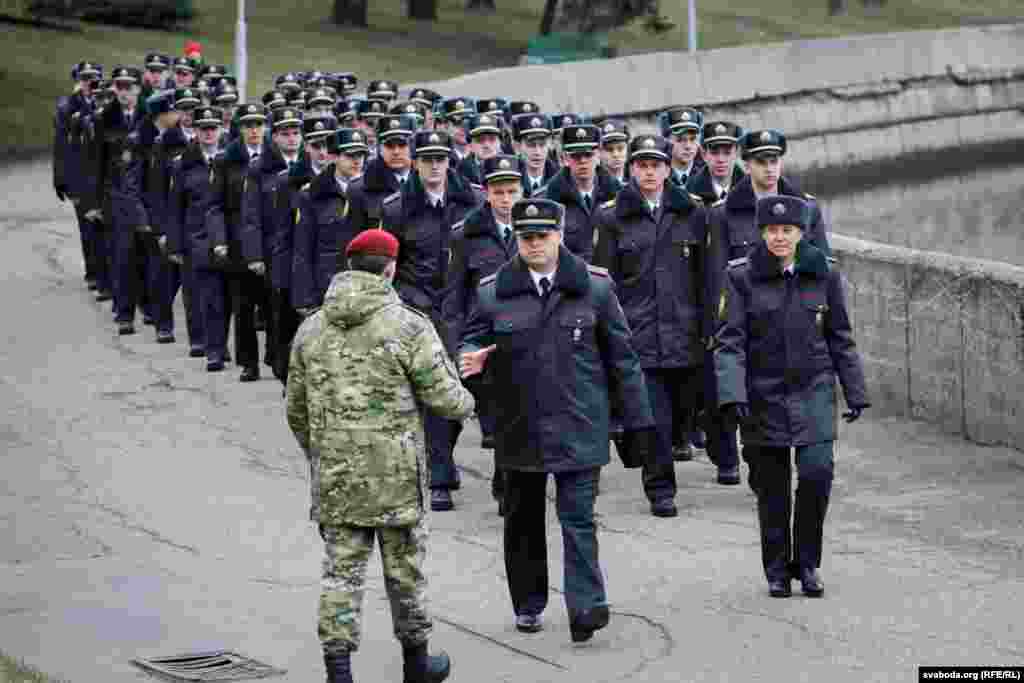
point(253, 152)
point(434, 199)
point(537, 278)
point(791, 268)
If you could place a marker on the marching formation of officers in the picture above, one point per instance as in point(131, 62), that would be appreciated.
point(590, 283)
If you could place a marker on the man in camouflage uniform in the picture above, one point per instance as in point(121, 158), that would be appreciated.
point(360, 369)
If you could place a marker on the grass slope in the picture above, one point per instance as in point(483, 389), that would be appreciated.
point(297, 35)
point(13, 671)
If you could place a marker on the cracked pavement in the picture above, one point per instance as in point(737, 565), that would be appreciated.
point(149, 508)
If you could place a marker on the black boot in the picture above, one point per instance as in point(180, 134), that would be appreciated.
point(339, 667)
point(423, 668)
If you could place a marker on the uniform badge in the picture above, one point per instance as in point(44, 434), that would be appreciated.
point(356, 137)
point(685, 116)
point(319, 125)
point(532, 211)
point(766, 137)
point(410, 109)
point(722, 304)
point(418, 93)
point(779, 209)
point(504, 164)
point(649, 143)
point(719, 129)
point(435, 138)
point(485, 120)
point(527, 107)
point(819, 316)
point(567, 120)
point(459, 104)
point(686, 251)
point(581, 133)
point(577, 334)
point(126, 156)
point(536, 123)
point(609, 128)
point(343, 210)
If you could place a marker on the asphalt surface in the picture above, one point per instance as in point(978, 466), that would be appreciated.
point(149, 508)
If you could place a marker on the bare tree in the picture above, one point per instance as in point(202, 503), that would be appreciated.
point(548, 19)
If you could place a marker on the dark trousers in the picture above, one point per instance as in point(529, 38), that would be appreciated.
point(483, 394)
point(87, 234)
point(723, 449)
point(441, 434)
point(526, 550)
point(163, 280)
point(284, 323)
point(193, 308)
point(216, 312)
point(101, 253)
point(670, 393)
point(248, 290)
point(129, 262)
point(782, 552)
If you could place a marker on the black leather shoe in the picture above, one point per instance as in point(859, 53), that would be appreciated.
point(811, 583)
point(227, 356)
point(419, 667)
point(148, 320)
point(164, 337)
point(104, 295)
point(501, 507)
point(441, 500)
point(529, 623)
point(487, 442)
point(125, 328)
point(780, 588)
point(249, 375)
point(666, 507)
point(196, 351)
point(729, 476)
point(214, 365)
point(682, 452)
point(90, 285)
point(699, 439)
point(583, 626)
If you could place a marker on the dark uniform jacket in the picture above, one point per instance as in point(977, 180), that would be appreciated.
point(73, 123)
point(551, 169)
point(367, 194)
point(658, 268)
point(267, 216)
point(109, 161)
point(733, 232)
point(189, 200)
point(471, 169)
point(695, 169)
point(781, 343)
point(703, 186)
point(579, 223)
point(224, 218)
point(322, 234)
point(61, 141)
point(148, 177)
point(477, 251)
point(424, 234)
point(562, 364)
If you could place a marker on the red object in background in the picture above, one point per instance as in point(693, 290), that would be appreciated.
point(193, 49)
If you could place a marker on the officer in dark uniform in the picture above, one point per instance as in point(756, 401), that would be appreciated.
point(246, 285)
point(184, 70)
point(652, 240)
point(732, 233)
point(316, 131)
point(550, 331)
point(382, 90)
point(480, 244)
point(722, 171)
point(147, 185)
point(155, 77)
point(188, 242)
point(347, 82)
point(484, 133)
point(558, 124)
point(682, 126)
point(784, 336)
point(532, 135)
point(580, 188)
point(428, 99)
point(615, 149)
point(385, 173)
point(450, 117)
point(112, 157)
point(421, 216)
point(324, 228)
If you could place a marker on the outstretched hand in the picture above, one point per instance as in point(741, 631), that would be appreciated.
point(473, 362)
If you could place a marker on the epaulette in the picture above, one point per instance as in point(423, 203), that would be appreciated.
point(808, 195)
point(609, 204)
point(738, 261)
point(696, 199)
point(718, 203)
point(598, 270)
point(489, 279)
point(392, 197)
point(460, 225)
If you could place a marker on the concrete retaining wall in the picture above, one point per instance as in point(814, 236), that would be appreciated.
point(942, 337)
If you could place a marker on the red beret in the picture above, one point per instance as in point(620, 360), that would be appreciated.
point(374, 242)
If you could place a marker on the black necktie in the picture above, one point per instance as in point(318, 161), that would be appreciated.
point(586, 202)
point(508, 236)
point(545, 288)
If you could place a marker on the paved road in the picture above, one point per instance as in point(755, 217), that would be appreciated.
point(150, 508)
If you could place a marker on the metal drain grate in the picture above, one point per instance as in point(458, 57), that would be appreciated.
point(220, 665)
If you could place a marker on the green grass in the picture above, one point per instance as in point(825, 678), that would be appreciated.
point(298, 35)
point(13, 671)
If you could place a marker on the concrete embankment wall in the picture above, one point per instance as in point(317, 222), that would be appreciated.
point(841, 101)
point(942, 337)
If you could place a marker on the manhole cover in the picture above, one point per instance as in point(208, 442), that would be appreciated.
point(221, 665)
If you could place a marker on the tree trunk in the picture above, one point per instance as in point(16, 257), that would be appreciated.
point(351, 12)
point(837, 7)
point(549, 16)
point(425, 10)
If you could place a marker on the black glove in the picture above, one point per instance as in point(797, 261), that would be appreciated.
point(854, 414)
point(635, 447)
point(735, 414)
point(62, 191)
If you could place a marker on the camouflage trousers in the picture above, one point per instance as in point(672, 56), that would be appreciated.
point(403, 550)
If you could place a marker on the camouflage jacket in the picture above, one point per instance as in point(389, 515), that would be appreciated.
point(362, 370)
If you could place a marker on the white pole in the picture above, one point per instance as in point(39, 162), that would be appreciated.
point(691, 20)
point(241, 52)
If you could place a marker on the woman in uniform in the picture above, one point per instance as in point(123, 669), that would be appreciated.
point(783, 336)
